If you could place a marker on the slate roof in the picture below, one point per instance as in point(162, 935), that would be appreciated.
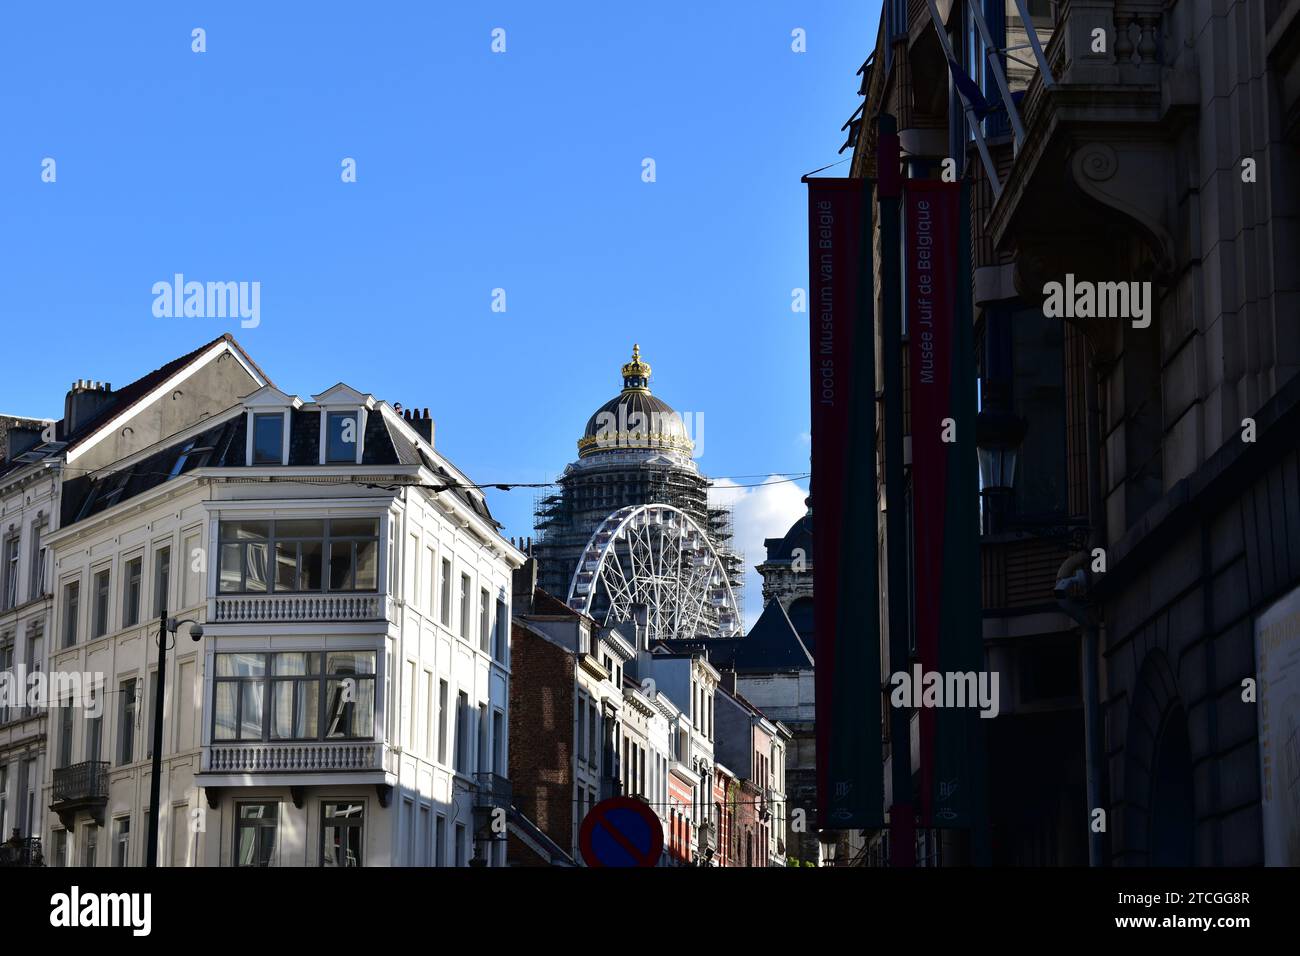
point(224, 445)
point(772, 644)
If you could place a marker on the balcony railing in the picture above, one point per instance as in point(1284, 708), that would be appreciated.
point(81, 781)
point(492, 790)
point(23, 852)
point(292, 608)
point(81, 787)
point(309, 756)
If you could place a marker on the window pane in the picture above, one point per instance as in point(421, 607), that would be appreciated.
point(255, 571)
point(245, 854)
point(340, 565)
point(341, 834)
point(354, 717)
point(250, 713)
point(245, 530)
point(341, 437)
point(300, 529)
point(310, 579)
point(288, 665)
point(286, 565)
point(224, 727)
point(282, 709)
point(162, 577)
point(268, 435)
point(229, 577)
point(355, 528)
point(241, 665)
point(367, 563)
point(350, 662)
point(306, 720)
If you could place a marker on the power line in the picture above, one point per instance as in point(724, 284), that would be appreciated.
point(774, 478)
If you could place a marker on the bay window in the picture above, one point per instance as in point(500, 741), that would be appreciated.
point(294, 696)
point(297, 555)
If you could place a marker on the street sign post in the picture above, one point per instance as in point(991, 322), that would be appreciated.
point(621, 831)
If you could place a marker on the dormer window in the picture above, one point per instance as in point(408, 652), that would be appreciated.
point(269, 412)
point(183, 458)
point(342, 434)
point(343, 412)
point(268, 438)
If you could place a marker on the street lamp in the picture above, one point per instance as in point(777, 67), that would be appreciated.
point(998, 436)
point(166, 625)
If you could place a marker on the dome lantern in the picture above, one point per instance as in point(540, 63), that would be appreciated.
point(636, 374)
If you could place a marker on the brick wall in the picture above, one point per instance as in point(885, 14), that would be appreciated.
point(541, 737)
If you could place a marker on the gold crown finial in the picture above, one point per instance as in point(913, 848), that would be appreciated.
point(636, 373)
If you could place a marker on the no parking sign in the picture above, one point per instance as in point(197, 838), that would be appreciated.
point(621, 831)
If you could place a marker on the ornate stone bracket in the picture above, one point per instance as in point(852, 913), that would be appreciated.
point(1137, 192)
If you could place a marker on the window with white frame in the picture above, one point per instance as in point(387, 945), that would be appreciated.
point(465, 618)
point(342, 437)
point(298, 555)
point(445, 596)
point(502, 645)
point(268, 438)
point(162, 580)
point(132, 583)
point(6, 666)
point(294, 696)
point(36, 586)
point(71, 611)
point(10, 571)
point(99, 619)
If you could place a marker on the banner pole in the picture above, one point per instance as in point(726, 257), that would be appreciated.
point(902, 828)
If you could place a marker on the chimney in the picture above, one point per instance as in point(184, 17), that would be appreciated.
point(19, 437)
point(523, 587)
point(727, 681)
point(422, 423)
point(641, 620)
point(84, 401)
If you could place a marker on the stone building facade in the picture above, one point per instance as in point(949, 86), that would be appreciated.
point(1153, 519)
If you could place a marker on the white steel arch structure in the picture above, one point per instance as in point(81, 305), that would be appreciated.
point(658, 556)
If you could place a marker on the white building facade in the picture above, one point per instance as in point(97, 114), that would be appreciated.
point(347, 702)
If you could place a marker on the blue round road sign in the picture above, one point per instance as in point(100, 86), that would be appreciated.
point(621, 831)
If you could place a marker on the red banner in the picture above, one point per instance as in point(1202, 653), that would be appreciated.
point(930, 229)
point(846, 600)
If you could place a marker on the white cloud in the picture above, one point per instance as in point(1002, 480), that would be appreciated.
point(764, 511)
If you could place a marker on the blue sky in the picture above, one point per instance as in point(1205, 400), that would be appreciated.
point(475, 171)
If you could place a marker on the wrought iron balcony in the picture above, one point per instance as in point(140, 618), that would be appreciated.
point(293, 608)
point(22, 852)
point(492, 790)
point(82, 787)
